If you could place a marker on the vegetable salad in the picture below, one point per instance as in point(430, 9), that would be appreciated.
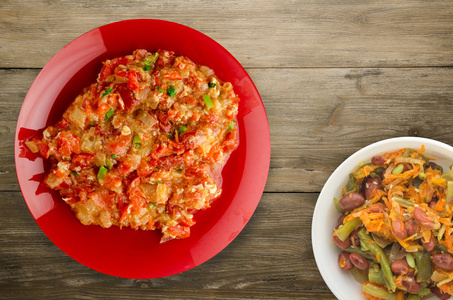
point(395, 229)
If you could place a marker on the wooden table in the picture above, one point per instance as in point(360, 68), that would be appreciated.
point(334, 76)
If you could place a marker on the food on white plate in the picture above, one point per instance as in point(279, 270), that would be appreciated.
point(395, 228)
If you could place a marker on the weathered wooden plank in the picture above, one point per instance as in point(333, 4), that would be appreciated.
point(31, 266)
point(317, 117)
point(278, 34)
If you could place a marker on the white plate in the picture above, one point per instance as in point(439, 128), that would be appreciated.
point(325, 216)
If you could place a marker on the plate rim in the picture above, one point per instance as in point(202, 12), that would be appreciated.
point(28, 99)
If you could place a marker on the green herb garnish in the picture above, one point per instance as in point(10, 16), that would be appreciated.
point(171, 91)
point(153, 60)
point(109, 114)
point(108, 91)
point(211, 84)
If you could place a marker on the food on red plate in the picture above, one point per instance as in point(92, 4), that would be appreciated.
point(144, 146)
point(395, 231)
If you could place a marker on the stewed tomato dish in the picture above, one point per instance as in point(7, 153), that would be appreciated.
point(143, 146)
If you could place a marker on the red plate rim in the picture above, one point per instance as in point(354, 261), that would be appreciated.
point(128, 253)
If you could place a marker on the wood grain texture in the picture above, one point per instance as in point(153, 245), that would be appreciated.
point(301, 33)
point(285, 270)
point(317, 117)
point(334, 76)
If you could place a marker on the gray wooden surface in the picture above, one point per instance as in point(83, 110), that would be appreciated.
point(334, 76)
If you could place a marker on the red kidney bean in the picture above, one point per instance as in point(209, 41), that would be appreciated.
point(351, 201)
point(429, 246)
point(432, 204)
point(400, 267)
point(410, 227)
point(399, 229)
point(435, 166)
point(441, 295)
point(359, 261)
point(355, 241)
point(443, 261)
point(377, 208)
point(378, 160)
point(341, 244)
point(422, 218)
point(340, 220)
point(411, 284)
point(371, 186)
point(345, 262)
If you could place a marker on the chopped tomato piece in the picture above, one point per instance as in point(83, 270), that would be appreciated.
point(136, 194)
point(68, 143)
point(120, 144)
point(129, 99)
point(179, 231)
point(173, 75)
point(82, 161)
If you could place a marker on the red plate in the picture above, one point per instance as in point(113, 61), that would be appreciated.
point(126, 252)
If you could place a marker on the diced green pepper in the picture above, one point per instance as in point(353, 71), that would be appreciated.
point(211, 84)
point(101, 173)
point(182, 129)
point(207, 100)
point(108, 91)
point(109, 163)
point(136, 141)
point(146, 68)
point(109, 114)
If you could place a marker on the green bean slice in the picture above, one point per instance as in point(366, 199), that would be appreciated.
point(345, 230)
point(378, 292)
point(402, 201)
point(423, 263)
point(376, 276)
point(336, 202)
point(410, 260)
point(366, 239)
point(351, 186)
